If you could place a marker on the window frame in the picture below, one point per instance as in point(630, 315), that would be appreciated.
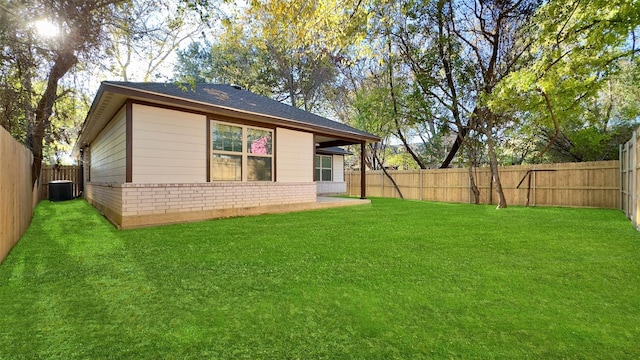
point(244, 153)
point(321, 168)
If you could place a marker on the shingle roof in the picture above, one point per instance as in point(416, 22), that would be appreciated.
point(236, 98)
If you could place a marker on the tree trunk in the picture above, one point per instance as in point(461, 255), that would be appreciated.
point(474, 187)
point(445, 56)
point(456, 146)
point(555, 123)
point(292, 91)
point(65, 60)
point(472, 180)
point(395, 185)
point(493, 162)
point(394, 101)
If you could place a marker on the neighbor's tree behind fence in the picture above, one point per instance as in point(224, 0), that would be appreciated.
point(589, 184)
point(17, 197)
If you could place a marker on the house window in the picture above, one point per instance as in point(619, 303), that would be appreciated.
point(241, 153)
point(324, 168)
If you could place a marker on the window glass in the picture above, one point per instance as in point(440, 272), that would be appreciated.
point(226, 167)
point(226, 137)
point(326, 174)
point(259, 141)
point(258, 168)
point(316, 176)
point(241, 153)
point(326, 162)
point(317, 161)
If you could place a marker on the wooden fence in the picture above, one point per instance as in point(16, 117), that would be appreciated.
point(53, 173)
point(17, 197)
point(629, 179)
point(589, 184)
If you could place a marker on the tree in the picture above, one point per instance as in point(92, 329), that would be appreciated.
point(80, 25)
point(431, 52)
point(306, 41)
point(580, 48)
point(458, 51)
point(288, 50)
point(593, 129)
point(234, 59)
point(67, 117)
point(372, 110)
point(145, 34)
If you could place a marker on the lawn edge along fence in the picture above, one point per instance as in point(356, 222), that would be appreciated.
point(18, 197)
point(588, 184)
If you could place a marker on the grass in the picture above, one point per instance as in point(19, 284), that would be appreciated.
point(397, 279)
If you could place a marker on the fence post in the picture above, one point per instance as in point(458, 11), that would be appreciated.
point(420, 173)
point(469, 189)
point(627, 158)
point(628, 180)
point(632, 181)
point(533, 186)
point(620, 163)
point(634, 193)
point(421, 185)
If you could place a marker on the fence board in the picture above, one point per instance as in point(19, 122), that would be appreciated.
point(592, 184)
point(53, 173)
point(629, 184)
point(17, 197)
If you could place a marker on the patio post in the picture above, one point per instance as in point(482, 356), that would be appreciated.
point(363, 175)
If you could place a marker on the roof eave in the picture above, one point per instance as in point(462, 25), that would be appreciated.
point(80, 141)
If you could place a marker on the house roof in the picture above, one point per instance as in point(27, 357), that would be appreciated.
point(333, 151)
point(216, 99)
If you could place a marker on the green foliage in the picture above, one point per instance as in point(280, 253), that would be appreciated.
point(589, 144)
point(401, 161)
point(144, 34)
point(233, 60)
point(336, 283)
point(374, 111)
point(323, 55)
point(580, 50)
point(289, 50)
point(34, 63)
point(66, 121)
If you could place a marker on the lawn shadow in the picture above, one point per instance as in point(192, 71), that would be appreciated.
point(67, 299)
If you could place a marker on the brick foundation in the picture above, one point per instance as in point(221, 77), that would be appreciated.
point(134, 205)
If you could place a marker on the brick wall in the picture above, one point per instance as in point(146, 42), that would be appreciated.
point(132, 205)
point(146, 199)
point(107, 198)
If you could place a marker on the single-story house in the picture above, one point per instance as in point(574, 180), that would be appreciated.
point(157, 153)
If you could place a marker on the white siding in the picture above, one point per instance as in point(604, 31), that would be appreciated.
point(108, 152)
point(294, 156)
point(338, 168)
point(169, 146)
point(331, 188)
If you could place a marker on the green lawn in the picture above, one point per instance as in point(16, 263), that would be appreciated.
point(397, 279)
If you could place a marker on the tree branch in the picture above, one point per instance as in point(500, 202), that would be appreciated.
point(555, 122)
